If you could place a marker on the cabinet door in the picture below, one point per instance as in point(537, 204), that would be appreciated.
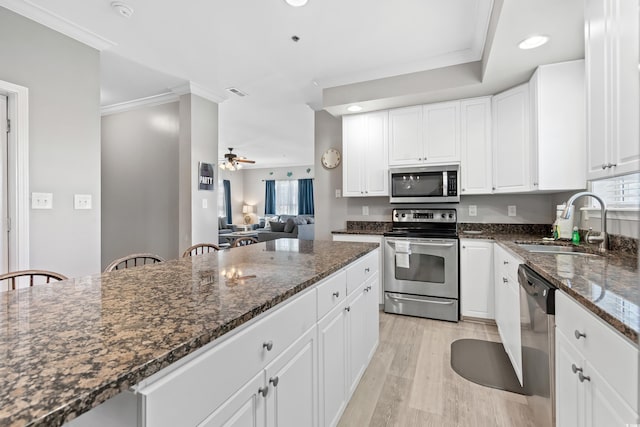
point(375, 155)
point(604, 405)
point(353, 148)
point(512, 336)
point(476, 279)
point(511, 149)
point(371, 320)
point(570, 398)
point(441, 133)
point(356, 332)
point(332, 372)
point(405, 136)
point(246, 408)
point(293, 385)
point(475, 146)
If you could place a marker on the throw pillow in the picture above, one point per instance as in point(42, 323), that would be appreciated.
point(310, 220)
point(292, 222)
point(277, 226)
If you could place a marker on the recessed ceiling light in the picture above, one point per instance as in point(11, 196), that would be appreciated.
point(533, 41)
point(296, 3)
point(122, 9)
point(354, 108)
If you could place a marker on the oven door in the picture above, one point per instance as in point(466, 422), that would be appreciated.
point(426, 267)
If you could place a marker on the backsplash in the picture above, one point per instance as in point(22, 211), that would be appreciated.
point(537, 229)
point(378, 226)
point(617, 243)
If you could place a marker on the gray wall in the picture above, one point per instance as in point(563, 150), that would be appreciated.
point(254, 186)
point(140, 182)
point(63, 79)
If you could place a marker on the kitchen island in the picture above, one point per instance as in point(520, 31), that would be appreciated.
point(70, 346)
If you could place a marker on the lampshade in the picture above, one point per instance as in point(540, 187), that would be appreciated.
point(247, 209)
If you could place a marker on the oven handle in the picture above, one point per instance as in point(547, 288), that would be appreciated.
point(421, 300)
point(440, 245)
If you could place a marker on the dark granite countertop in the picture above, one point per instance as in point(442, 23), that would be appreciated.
point(352, 231)
point(607, 285)
point(69, 346)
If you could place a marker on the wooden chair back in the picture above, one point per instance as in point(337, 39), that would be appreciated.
point(199, 249)
point(47, 275)
point(244, 241)
point(133, 260)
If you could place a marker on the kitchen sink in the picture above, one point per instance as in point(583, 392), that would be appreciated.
point(553, 250)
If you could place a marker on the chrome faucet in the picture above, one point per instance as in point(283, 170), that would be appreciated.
point(600, 238)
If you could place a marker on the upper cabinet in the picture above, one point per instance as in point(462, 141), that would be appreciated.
point(475, 146)
point(365, 140)
point(425, 134)
point(511, 141)
point(613, 107)
point(558, 138)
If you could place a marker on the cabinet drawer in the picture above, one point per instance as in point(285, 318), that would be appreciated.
point(507, 263)
point(188, 394)
point(361, 270)
point(331, 293)
point(612, 355)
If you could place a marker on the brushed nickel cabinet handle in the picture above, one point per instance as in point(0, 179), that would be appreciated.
point(268, 345)
point(575, 369)
point(604, 166)
point(505, 262)
point(336, 294)
point(366, 270)
point(579, 334)
point(505, 280)
point(611, 165)
point(263, 391)
point(348, 308)
point(583, 377)
point(274, 381)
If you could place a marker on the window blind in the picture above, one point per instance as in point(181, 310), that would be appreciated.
point(619, 192)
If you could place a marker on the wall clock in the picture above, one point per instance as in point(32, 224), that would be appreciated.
point(331, 158)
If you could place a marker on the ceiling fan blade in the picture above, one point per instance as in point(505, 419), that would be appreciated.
point(245, 160)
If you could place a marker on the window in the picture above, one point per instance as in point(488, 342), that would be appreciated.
point(287, 197)
point(619, 192)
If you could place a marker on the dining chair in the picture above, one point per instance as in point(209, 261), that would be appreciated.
point(133, 260)
point(199, 249)
point(244, 241)
point(47, 275)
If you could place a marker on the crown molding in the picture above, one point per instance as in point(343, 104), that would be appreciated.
point(199, 90)
point(57, 23)
point(149, 101)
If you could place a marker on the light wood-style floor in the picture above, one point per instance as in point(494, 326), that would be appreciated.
point(410, 381)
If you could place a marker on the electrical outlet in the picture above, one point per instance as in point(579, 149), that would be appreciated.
point(365, 210)
point(511, 210)
point(41, 200)
point(338, 193)
point(82, 201)
point(204, 203)
point(473, 210)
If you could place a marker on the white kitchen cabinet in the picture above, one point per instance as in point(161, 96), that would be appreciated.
point(365, 144)
point(368, 238)
point(476, 279)
point(427, 134)
point(292, 398)
point(595, 364)
point(507, 305)
point(475, 146)
point(511, 140)
point(246, 408)
point(356, 327)
point(613, 106)
point(558, 127)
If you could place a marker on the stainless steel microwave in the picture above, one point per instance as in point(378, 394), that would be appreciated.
point(426, 184)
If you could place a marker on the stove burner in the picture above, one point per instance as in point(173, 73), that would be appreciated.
point(424, 223)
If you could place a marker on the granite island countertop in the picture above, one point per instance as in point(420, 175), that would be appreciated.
point(71, 345)
point(606, 285)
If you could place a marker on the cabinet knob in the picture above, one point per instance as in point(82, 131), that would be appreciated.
point(583, 377)
point(535, 183)
point(366, 270)
point(505, 262)
point(369, 287)
point(612, 165)
point(505, 280)
point(464, 189)
point(336, 294)
point(493, 188)
point(579, 334)
point(604, 166)
point(347, 308)
point(419, 158)
point(575, 369)
point(268, 345)
point(263, 391)
point(366, 289)
point(274, 381)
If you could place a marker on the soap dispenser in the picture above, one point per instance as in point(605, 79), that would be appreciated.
point(575, 238)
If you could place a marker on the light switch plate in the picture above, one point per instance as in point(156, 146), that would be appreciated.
point(338, 193)
point(473, 210)
point(41, 200)
point(365, 210)
point(82, 201)
point(204, 203)
point(511, 210)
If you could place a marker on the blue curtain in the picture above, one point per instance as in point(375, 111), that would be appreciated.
point(305, 197)
point(270, 197)
point(227, 200)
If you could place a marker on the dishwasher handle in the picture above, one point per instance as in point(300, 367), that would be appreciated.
point(537, 288)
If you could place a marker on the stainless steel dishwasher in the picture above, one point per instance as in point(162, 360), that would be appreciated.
point(537, 327)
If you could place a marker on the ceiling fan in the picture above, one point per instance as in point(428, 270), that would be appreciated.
point(232, 162)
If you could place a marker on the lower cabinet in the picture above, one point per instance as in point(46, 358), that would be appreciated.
point(476, 279)
point(246, 408)
point(596, 370)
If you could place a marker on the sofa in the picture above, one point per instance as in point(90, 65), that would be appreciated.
point(288, 227)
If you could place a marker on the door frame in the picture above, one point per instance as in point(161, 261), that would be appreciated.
point(18, 174)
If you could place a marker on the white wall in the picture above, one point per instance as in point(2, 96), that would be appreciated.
point(140, 182)
point(63, 79)
point(254, 186)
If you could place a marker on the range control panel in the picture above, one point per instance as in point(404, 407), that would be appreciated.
point(424, 215)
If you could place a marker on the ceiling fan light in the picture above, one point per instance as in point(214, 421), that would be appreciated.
point(296, 3)
point(533, 42)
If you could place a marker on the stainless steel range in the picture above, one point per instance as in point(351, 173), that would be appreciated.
point(421, 264)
